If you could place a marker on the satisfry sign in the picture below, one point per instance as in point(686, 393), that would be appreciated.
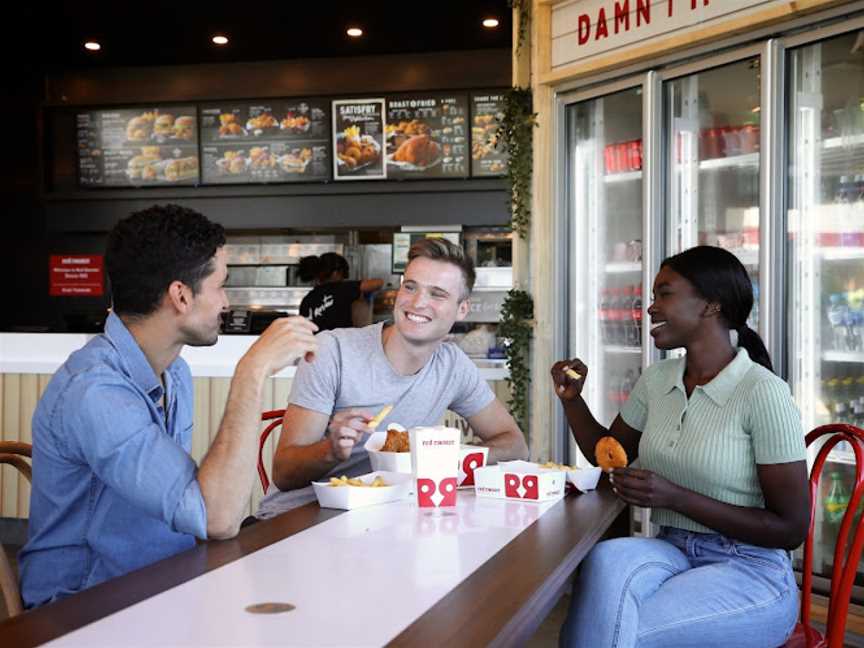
point(584, 28)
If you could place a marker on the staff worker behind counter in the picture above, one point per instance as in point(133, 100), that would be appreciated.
point(722, 468)
point(334, 302)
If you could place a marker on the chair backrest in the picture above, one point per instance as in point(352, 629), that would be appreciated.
point(13, 453)
point(275, 418)
point(845, 563)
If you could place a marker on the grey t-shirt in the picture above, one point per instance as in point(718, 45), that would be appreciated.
point(351, 370)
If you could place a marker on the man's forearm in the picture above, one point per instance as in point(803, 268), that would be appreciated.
point(507, 446)
point(228, 469)
point(297, 466)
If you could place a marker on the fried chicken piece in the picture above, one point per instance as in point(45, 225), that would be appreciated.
point(397, 441)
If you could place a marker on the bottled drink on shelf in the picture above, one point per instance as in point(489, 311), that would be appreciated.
point(605, 315)
point(616, 324)
point(838, 310)
point(636, 316)
point(836, 500)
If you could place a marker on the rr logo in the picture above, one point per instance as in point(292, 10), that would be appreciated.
point(470, 463)
point(441, 494)
point(521, 487)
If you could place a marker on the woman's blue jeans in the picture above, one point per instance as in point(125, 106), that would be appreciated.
point(682, 589)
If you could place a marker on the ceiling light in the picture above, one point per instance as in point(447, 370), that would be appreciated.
point(490, 23)
point(219, 39)
point(354, 32)
point(93, 46)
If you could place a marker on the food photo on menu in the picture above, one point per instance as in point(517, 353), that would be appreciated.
point(426, 136)
point(487, 158)
point(138, 147)
point(281, 140)
point(358, 139)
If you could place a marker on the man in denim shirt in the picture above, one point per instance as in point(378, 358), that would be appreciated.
point(114, 487)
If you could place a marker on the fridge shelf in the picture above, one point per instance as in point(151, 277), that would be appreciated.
point(734, 161)
point(624, 266)
point(614, 348)
point(843, 356)
point(836, 142)
point(842, 253)
point(623, 177)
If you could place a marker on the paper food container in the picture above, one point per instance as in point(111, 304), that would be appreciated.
point(351, 497)
point(390, 461)
point(470, 459)
point(435, 464)
point(519, 480)
point(584, 479)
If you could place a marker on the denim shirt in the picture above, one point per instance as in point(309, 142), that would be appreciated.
point(114, 487)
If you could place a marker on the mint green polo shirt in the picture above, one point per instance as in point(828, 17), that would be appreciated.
point(712, 442)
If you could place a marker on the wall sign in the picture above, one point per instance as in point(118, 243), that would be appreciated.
point(358, 139)
point(588, 28)
point(76, 275)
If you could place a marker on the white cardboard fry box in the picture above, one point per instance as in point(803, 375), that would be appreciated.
point(526, 482)
point(351, 497)
point(435, 464)
point(470, 459)
point(390, 461)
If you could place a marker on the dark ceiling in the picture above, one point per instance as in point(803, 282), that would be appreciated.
point(50, 35)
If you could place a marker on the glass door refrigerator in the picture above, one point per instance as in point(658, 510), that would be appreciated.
point(606, 293)
point(712, 161)
point(825, 250)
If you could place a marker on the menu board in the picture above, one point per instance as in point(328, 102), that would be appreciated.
point(283, 140)
point(427, 136)
point(487, 159)
point(358, 139)
point(152, 146)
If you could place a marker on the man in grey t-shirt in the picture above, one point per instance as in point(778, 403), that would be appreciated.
point(407, 365)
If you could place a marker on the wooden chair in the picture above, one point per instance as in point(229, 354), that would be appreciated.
point(845, 563)
point(275, 416)
point(13, 453)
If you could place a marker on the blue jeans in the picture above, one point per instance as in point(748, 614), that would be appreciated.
point(682, 589)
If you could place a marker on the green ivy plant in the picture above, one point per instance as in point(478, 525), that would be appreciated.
point(523, 8)
point(517, 314)
point(515, 134)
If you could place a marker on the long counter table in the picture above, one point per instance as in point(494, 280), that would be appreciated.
point(485, 573)
point(28, 360)
point(43, 353)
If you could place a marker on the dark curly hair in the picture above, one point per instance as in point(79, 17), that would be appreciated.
point(322, 268)
point(151, 248)
point(719, 277)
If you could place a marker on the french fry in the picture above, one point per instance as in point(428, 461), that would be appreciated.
point(575, 375)
point(375, 421)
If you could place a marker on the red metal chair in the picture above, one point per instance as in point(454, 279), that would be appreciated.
point(276, 417)
point(845, 564)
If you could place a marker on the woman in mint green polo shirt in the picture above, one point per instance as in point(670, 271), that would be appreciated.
point(722, 464)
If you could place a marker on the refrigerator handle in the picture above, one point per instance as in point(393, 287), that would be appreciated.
point(653, 183)
point(772, 212)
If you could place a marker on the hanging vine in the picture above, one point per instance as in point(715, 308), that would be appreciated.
point(515, 134)
point(517, 312)
point(523, 10)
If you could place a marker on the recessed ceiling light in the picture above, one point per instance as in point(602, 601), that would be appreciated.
point(490, 23)
point(93, 46)
point(354, 32)
point(219, 39)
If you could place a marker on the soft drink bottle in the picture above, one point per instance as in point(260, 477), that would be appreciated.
point(837, 310)
point(626, 314)
point(836, 500)
point(605, 315)
point(636, 315)
point(615, 322)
